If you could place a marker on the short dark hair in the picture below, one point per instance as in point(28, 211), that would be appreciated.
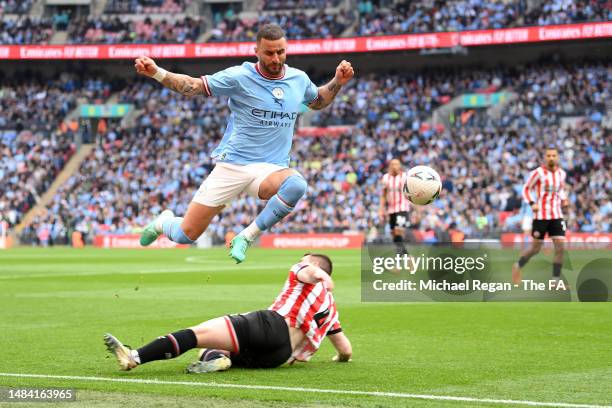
point(324, 262)
point(270, 32)
point(552, 148)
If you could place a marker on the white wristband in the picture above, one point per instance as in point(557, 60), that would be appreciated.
point(160, 74)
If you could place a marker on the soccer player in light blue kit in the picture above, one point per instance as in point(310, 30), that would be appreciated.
point(264, 100)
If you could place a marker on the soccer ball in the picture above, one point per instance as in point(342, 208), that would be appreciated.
point(422, 185)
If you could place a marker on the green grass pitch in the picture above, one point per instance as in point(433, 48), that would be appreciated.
point(55, 304)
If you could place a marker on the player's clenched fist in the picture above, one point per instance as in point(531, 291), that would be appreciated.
point(145, 66)
point(344, 72)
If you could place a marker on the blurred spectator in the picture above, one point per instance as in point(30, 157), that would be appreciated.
point(15, 6)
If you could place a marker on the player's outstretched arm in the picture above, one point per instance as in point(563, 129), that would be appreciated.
point(328, 92)
point(183, 84)
point(343, 347)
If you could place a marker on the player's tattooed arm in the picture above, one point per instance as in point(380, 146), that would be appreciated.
point(183, 84)
point(328, 92)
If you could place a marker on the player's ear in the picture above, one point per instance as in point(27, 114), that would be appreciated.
point(255, 49)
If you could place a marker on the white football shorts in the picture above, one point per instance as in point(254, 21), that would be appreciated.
point(228, 180)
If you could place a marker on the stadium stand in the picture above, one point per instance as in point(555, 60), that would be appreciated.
point(25, 30)
point(298, 4)
point(297, 24)
point(135, 173)
point(163, 21)
point(435, 16)
point(34, 144)
point(146, 6)
point(15, 6)
point(112, 30)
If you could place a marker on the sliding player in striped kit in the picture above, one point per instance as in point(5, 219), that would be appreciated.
point(253, 157)
point(545, 193)
point(394, 204)
point(290, 330)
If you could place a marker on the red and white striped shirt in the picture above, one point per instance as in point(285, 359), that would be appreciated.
point(549, 188)
point(396, 201)
point(310, 308)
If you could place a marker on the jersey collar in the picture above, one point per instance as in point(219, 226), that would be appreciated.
point(281, 76)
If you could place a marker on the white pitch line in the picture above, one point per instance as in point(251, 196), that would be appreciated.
point(136, 272)
point(311, 390)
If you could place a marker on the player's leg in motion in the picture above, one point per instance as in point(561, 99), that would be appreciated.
point(283, 189)
point(214, 334)
point(559, 244)
point(398, 240)
point(178, 229)
point(525, 257)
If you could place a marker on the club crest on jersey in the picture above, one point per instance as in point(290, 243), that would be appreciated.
point(278, 94)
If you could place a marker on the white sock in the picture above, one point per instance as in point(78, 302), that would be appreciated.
point(251, 232)
point(159, 221)
point(135, 356)
point(158, 225)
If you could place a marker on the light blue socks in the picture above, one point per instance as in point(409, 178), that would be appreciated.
point(172, 229)
point(283, 202)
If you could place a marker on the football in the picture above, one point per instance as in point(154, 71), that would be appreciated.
point(422, 185)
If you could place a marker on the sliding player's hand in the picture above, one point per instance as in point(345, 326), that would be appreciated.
point(341, 359)
point(344, 72)
point(145, 66)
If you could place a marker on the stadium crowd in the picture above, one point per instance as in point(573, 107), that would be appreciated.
point(301, 19)
point(33, 144)
point(15, 6)
point(434, 15)
point(25, 30)
point(298, 4)
point(135, 173)
point(297, 24)
point(146, 6)
point(113, 30)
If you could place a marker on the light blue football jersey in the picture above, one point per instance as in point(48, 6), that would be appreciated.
point(263, 112)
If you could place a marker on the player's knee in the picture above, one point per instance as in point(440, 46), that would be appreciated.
point(292, 189)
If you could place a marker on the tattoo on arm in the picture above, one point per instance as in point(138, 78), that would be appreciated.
point(183, 84)
point(326, 96)
point(334, 87)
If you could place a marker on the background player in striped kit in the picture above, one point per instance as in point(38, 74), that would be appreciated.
point(394, 204)
point(290, 330)
point(548, 184)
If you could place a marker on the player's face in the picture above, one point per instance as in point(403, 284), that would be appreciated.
point(552, 158)
point(395, 167)
point(271, 55)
